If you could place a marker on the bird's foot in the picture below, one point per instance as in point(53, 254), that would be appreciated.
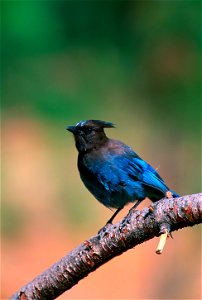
point(105, 228)
point(150, 211)
point(134, 207)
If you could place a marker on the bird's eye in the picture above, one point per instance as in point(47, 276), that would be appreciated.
point(89, 130)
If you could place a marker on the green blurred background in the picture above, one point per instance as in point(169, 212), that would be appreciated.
point(134, 63)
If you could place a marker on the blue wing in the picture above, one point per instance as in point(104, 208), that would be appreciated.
point(127, 168)
point(148, 175)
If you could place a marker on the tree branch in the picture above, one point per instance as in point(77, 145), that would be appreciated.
point(162, 217)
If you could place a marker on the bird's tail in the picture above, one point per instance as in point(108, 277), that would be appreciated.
point(175, 195)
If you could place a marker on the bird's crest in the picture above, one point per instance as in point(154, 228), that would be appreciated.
point(95, 123)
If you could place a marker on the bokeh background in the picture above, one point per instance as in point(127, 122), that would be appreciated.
point(134, 63)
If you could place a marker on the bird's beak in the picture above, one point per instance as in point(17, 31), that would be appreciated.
point(71, 128)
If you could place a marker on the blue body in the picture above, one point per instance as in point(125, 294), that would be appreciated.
point(116, 175)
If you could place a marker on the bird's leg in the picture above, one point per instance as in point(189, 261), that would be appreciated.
point(109, 222)
point(120, 208)
point(135, 205)
point(114, 215)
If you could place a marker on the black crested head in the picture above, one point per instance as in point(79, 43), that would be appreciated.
point(89, 134)
point(89, 124)
point(92, 124)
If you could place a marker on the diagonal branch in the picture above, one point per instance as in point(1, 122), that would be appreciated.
point(164, 216)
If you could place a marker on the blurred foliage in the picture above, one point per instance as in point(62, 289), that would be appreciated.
point(61, 59)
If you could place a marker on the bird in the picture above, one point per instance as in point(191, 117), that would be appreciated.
point(112, 171)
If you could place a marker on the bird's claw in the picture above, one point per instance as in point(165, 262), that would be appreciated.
point(104, 229)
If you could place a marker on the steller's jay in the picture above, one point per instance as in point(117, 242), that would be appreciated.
point(112, 171)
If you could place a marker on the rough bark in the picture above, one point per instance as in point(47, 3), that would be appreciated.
point(166, 215)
